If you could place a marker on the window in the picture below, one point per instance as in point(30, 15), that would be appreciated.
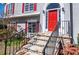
point(10, 9)
point(53, 5)
point(29, 7)
point(31, 27)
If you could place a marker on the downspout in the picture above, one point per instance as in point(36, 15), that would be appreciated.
point(71, 20)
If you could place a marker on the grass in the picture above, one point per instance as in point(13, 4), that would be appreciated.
point(15, 41)
point(3, 31)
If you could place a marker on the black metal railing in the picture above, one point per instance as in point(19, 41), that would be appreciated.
point(12, 43)
point(49, 39)
point(57, 37)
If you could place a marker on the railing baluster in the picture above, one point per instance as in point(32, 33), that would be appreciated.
point(5, 46)
point(13, 44)
point(16, 45)
point(10, 47)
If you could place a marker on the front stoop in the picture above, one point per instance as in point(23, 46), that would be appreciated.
point(37, 44)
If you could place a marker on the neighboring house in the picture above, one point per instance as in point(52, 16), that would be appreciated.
point(41, 17)
point(2, 9)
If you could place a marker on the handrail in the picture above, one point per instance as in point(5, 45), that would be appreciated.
point(56, 27)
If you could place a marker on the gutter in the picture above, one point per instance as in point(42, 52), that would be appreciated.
point(24, 15)
point(71, 21)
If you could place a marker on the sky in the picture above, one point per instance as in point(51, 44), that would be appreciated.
point(1, 9)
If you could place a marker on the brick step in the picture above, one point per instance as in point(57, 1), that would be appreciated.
point(33, 50)
point(44, 38)
point(32, 53)
point(44, 34)
point(39, 42)
point(41, 37)
point(36, 48)
point(48, 46)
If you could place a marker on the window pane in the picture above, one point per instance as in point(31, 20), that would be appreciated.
point(31, 6)
point(9, 6)
point(29, 30)
point(27, 7)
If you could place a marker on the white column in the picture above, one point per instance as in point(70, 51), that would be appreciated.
point(43, 18)
point(43, 22)
point(61, 30)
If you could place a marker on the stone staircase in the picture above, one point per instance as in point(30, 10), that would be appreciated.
point(37, 45)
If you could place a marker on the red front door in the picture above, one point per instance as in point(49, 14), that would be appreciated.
point(52, 20)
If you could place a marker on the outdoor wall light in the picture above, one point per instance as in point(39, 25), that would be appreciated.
point(43, 12)
point(63, 10)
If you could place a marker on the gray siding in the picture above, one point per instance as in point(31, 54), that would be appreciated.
point(67, 11)
point(40, 7)
point(18, 9)
point(75, 21)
